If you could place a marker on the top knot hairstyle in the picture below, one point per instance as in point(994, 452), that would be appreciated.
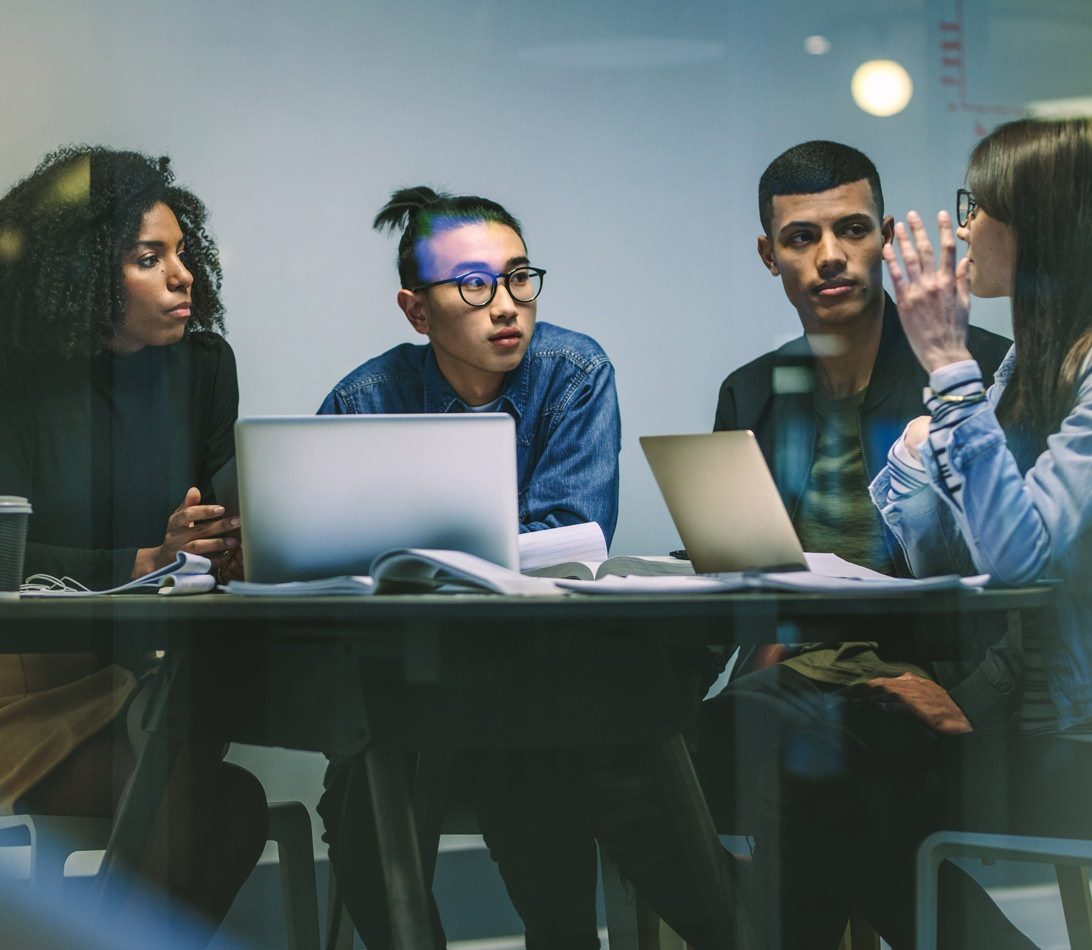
point(811, 167)
point(64, 231)
point(421, 212)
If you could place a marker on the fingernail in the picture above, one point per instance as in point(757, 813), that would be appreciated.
point(234, 522)
point(230, 542)
point(217, 510)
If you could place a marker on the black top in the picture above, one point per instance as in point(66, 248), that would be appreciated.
point(106, 449)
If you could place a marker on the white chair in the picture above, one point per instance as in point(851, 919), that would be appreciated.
point(1071, 858)
point(54, 838)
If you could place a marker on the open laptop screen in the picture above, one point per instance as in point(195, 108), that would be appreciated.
point(321, 496)
point(723, 501)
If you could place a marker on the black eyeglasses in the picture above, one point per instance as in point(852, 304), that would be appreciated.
point(478, 287)
point(965, 206)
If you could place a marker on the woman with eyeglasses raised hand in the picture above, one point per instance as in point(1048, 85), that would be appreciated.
point(1002, 477)
point(117, 403)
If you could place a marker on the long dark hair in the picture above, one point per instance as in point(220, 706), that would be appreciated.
point(64, 231)
point(1036, 177)
point(421, 212)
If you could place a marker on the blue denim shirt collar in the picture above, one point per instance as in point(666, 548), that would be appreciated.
point(562, 398)
point(439, 397)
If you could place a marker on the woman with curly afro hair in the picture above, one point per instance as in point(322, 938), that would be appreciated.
point(117, 404)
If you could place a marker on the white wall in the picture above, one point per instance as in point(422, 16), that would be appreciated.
point(627, 136)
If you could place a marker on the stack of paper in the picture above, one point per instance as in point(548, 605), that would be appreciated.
point(827, 574)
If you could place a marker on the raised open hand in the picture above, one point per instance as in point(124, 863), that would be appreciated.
point(934, 300)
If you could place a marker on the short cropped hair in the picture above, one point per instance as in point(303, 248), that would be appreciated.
point(421, 212)
point(811, 167)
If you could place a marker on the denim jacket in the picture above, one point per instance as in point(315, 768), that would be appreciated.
point(562, 397)
point(1018, 528)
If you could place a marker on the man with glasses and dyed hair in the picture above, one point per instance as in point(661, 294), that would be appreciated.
point(825, 408)
point(470, 287)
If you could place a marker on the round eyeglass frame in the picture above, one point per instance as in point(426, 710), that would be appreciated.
point(965, 205)
point(506, 277)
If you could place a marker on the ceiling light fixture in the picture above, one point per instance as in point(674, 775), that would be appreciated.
point(881, 87)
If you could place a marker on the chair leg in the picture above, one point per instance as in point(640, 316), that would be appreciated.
point(932, 852)
point(628, 923)
point(290, 827)
point(619, 904)
point(1077, 904)
point(631, 923)
point(694, 824)
point(337, 915)
point(861, 934)
point(666, 938)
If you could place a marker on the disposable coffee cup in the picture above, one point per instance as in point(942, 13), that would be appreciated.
point(14, 515)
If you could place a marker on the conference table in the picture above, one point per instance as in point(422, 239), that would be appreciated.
point(434, 673)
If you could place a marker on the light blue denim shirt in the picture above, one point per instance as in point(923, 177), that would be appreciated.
point(1018, 528)
point(562, 396)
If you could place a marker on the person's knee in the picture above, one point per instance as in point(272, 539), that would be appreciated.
point(245, 804)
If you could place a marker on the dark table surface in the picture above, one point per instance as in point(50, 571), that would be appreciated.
point(713, 618)
point(341, 674)
point(553, 661)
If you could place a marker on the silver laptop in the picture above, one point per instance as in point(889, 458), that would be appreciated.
point(723, 501)
point(321, 496)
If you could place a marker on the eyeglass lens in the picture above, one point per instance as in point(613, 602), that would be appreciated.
point(478, 288)
point(965, 205)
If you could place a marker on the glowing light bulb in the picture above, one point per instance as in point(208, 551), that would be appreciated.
point(881, 87)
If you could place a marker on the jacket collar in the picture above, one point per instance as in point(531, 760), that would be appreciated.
point(891, 357)
point(894, 360)
point(439, 397)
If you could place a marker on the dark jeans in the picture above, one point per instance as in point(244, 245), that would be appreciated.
point(541, 808)
point(540, 812)
point(837, 790)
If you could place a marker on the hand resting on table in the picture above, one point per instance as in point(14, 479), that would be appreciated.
point(194, 528)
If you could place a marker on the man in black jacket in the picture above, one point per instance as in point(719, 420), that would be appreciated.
point(823, 738)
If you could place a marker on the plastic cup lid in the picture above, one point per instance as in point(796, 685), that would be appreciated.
point(14, 504)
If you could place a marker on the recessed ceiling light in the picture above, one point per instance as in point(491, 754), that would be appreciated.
point(881, 87)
